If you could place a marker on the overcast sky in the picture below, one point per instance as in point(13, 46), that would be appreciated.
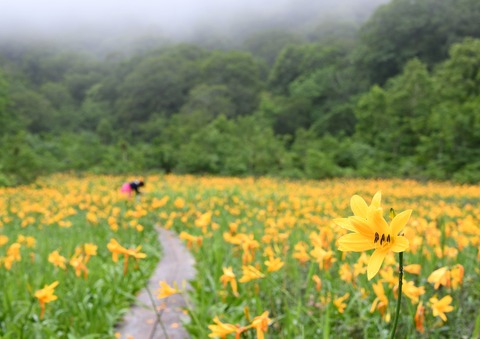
point(172, 17)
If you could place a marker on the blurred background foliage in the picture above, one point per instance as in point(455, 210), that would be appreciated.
point(395, 95)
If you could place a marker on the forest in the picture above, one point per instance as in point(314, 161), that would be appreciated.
point(396, 95)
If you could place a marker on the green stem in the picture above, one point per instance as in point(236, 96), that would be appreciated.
point(399, 300)
point(154, 306)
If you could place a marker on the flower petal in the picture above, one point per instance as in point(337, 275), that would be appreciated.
point(399, 222)
point(376, 219)
point(375, 262)
point(355, 242)
point(401, 244)
point(359, 206)
point(361, 226)
point(345, 223)
point(377, 199)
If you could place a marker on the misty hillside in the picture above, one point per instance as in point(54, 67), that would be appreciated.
point(112, 26)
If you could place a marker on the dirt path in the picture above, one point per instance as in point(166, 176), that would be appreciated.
point(176, 265)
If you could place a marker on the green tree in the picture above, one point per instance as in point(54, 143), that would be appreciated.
point(404, 29)
point(239, 73)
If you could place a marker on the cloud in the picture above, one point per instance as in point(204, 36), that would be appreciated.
point(172, 18)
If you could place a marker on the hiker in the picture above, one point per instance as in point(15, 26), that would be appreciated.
point(133, 186)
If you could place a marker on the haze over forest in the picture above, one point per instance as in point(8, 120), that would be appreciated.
point(110, 24)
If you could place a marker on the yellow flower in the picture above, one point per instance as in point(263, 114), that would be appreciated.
point(116, 249)
point(78, 263)
point(56, 259)
point(3, 240)
point(90, 250)
point(14, 251)
point(250, 273)
point(179, 203)
point(411, 291)
point(229, 277)
point(166, 290)
point(221, 329)
point(442, 306)
point(274, 264)
point(371, 231)
point(381, 301)
point(45, 295)
point(191, 239)
point(339, 302)
point(457, 273)
point(260, 323)
point(413, 268)
point(439, 277)
point(346, 273)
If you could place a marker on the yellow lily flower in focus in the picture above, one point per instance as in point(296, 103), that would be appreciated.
point(45, 295)
point(371, 231)
point(442, 306)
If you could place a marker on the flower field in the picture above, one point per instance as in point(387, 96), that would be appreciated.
point(274, 258)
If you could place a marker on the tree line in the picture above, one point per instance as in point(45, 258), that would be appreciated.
point(397, 96)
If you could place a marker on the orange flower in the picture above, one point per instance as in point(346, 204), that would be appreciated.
point(90, 250)
point(260, 323)
point(56, 259)
point(45, 295)
point(229, 277)
point(116, 249)
point(420, 318)
point(457, 275)
point(339, 302)
point(318, 282)
point(78, 263)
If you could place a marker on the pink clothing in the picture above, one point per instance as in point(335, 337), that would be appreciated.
point(126, 189)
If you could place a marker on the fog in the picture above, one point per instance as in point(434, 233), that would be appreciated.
point(179, 20)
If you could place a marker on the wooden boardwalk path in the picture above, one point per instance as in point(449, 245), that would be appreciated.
point(176, 266)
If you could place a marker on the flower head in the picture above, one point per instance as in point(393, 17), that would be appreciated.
point(45, 295)
point(166, 290)
point(221, 329)
point(229, 277)
point(260, 323)
point(250, 273)
point(57, 260)
point(371, 231)
point(340, 302)
point(442, 306)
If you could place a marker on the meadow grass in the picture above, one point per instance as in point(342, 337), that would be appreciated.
point(273, 240)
